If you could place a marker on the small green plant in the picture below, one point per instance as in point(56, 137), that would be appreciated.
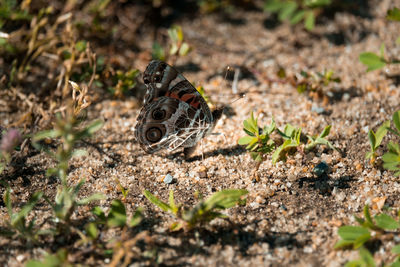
point(374, 61)
point(18, 221)
point(117, 216)
point(312, 83)
point(296, 11)
point(177, 46)
point(60, 258)
point(375, 140)
point(203, 212)
point(356, 237)
point(122, 82)
point(259, 142)
point(122, 189)
point(391, 159)
point(68, 130)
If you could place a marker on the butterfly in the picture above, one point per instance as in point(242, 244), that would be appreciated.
point(174, 114)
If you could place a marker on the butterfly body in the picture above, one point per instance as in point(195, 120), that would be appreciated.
point(174, 113)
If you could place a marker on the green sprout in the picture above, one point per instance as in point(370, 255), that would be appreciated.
point(177, 46)
point(203, 212)
point(259, 142)
point(356, 237)
point(296, 11)
point(122, 82)
point(18, 221)
point(374, 61)
point(68, 130)
point(391, 158)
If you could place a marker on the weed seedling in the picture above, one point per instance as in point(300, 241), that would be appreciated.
point(68, 130)
point(259, 142)
point(374, 61)
point(177, 46)
point(203, 212)
point(375, 140)
point(356, 237)
point(18, 221)
point(296, 11)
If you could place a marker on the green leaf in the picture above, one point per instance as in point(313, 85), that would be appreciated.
point(94, 197)
point(117, 215)
point(386, 222)
point(361, 240)
point(288, 8)
point(45, 134)
point(94, 126)
point(396, 249)
point(153, 199)
point(297, 17)
point(246, 140)
point(136, 218)
point(366, 257)
point(396, 120)
point(372, 140)
point(91, 230)
point(80, 46)
point(372, 61)
point(224, 199)
point(26, 208)
point(351, 233)
point(273, 5)
point(343, 243)
point(393, 14)
point(381, 132)
point(325, 132)
point(158, 52)
point(100, 214)
point(171, 202)
point(309, 21)
point(184, 50)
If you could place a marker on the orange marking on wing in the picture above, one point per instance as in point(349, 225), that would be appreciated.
point(194, 103)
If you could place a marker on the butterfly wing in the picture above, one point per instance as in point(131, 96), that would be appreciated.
point(174, 113)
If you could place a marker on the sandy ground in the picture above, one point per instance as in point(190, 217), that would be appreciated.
point(291, 216)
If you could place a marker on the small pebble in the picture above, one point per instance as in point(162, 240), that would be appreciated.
point(318, 110)
point(168, 179)
point(20, 258)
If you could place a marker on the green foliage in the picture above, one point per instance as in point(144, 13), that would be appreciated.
point(259, 142)
point(391, 159)
point(203, 212)
point(117, 216)
point(355, 237)
point(296, 11)
point(177, 46)
point(122, 82)
point(393, 14)
point(59, 259)
point(309, 82)
point(375, 139)
point(68, 130)
point(374, 61)
point(10, 10)
point(18, 221)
